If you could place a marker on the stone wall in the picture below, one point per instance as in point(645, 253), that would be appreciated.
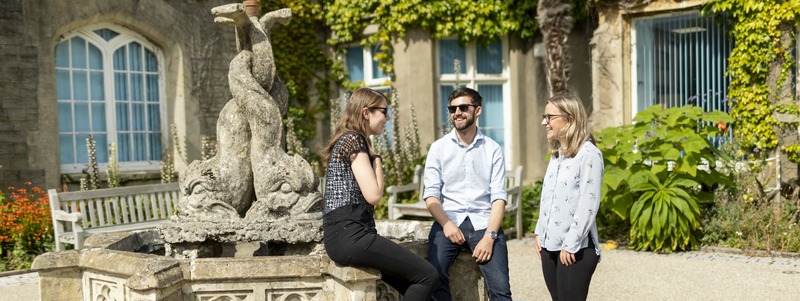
point(196, 57)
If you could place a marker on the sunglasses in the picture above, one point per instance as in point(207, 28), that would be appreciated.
point(463, 108)
point(384, 110)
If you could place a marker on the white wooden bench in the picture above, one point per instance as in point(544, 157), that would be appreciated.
point(79, 214)
point(418, 208)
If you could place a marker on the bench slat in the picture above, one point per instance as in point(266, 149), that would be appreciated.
point(161, 206)
point(109, 219)
point(139, 213)
point(124, 211)
point(131, 208)
point(154, 205)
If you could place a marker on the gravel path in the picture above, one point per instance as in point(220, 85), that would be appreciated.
point(630, 275)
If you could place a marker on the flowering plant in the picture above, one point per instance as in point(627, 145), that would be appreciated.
point(25, 226)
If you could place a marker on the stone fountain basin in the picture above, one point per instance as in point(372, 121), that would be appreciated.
point(109, 269)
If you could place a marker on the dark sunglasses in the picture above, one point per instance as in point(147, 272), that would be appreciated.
point(384, 110)
point(463, 108)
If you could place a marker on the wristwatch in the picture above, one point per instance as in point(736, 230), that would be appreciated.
point(493, 235)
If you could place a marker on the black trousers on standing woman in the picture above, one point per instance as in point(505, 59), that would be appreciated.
point(350, 243)
point(568, 283)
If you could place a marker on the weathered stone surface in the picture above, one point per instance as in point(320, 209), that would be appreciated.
point(404, 230)
point(251, 190)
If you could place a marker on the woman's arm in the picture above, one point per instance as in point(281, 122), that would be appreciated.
point(591, 180)
point(369, 177)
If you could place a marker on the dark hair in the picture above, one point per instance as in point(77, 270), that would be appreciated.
point(464, 91)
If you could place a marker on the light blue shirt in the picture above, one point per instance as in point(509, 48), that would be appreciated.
point(466, 179)
point(570, 200)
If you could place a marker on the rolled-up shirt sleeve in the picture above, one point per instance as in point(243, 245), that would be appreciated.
point(432, 176)
point(498, 179)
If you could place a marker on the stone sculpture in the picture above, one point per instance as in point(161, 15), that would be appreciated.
point(251, 190)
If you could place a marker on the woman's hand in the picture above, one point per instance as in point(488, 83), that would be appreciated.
point(567, 258)
point(538, 246)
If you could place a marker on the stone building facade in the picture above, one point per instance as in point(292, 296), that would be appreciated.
point(189, 82)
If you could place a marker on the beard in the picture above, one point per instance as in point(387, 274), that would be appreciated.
point(470, 120)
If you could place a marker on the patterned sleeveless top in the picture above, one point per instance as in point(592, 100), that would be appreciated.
point(343, 197)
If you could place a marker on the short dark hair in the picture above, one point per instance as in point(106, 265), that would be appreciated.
point(464, 91)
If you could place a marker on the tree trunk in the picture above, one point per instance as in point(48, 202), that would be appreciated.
point(555, 24)
point(781, 94)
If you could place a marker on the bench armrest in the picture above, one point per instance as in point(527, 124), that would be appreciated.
point(62, 215)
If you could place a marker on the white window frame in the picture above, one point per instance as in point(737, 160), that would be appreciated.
point(471, 79)
point(125, 37)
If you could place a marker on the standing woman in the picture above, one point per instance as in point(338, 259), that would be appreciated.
point(353, 187)
point(566, 233)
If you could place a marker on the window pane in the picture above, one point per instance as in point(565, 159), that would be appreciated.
point(120, 86)
point(376, 72)
point(95, 58)
point(99, 117)
point(81, 150)
point(63, 84)
point(355, 63)
point(491, 119)
point(64, 117)
point(155, 146)
point(96, 85)
point(152, 88)
point(154, 118)
point(82, 117)
point(67, 148)
point(62, 55)
point(138, 118)
point(106, 34)
point(123, 118)
point(449, 50)
point(101, 147)
point(444, 116)
point(80, 85)
point(135, 56)
point(137, 87)
point(78, 52)
point(139, 147)
point(124, 147)
point(151, 62)
point(490, 58)
point(681, 60)
point(119, 59)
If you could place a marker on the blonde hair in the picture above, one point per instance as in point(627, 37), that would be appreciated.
point(576, 129)
point(352, 118)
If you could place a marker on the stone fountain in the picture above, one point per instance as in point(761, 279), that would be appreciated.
point(249, 221)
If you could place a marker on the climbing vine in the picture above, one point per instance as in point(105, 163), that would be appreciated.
point(470, 21)
point(757, 32)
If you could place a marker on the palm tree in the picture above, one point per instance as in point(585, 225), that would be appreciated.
point(555, 23)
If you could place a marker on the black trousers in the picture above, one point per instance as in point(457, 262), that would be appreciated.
point(568, 283)
point(349, 243)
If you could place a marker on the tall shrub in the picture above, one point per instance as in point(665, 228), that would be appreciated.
point(658, 171)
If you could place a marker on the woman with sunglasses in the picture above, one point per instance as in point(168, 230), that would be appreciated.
point(566, 233)
point(354, 185)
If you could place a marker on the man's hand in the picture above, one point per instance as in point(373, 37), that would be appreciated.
point(538, 246)
point(567, 258)
point(483, 251)
point(453, 233)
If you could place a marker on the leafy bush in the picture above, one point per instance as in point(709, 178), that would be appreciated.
point(25, 226)
point(658, 171)
point(745, 217)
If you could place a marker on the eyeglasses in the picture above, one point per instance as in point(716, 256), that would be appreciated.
point(549, 117)
point(384, 110)
point(463, 108)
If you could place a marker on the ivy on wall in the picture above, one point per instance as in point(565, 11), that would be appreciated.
point(470, 21)
point(757, 34)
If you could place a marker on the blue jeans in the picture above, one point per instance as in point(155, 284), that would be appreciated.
point(442, 253)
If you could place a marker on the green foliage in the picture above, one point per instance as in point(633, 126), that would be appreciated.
point(302, 63)
point(25, 226)
point(655, 175)
point(531, 196)
point(743, 217)
point(757, 32)
point(470, 21)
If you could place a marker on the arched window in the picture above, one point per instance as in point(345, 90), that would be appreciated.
point(110, 86)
